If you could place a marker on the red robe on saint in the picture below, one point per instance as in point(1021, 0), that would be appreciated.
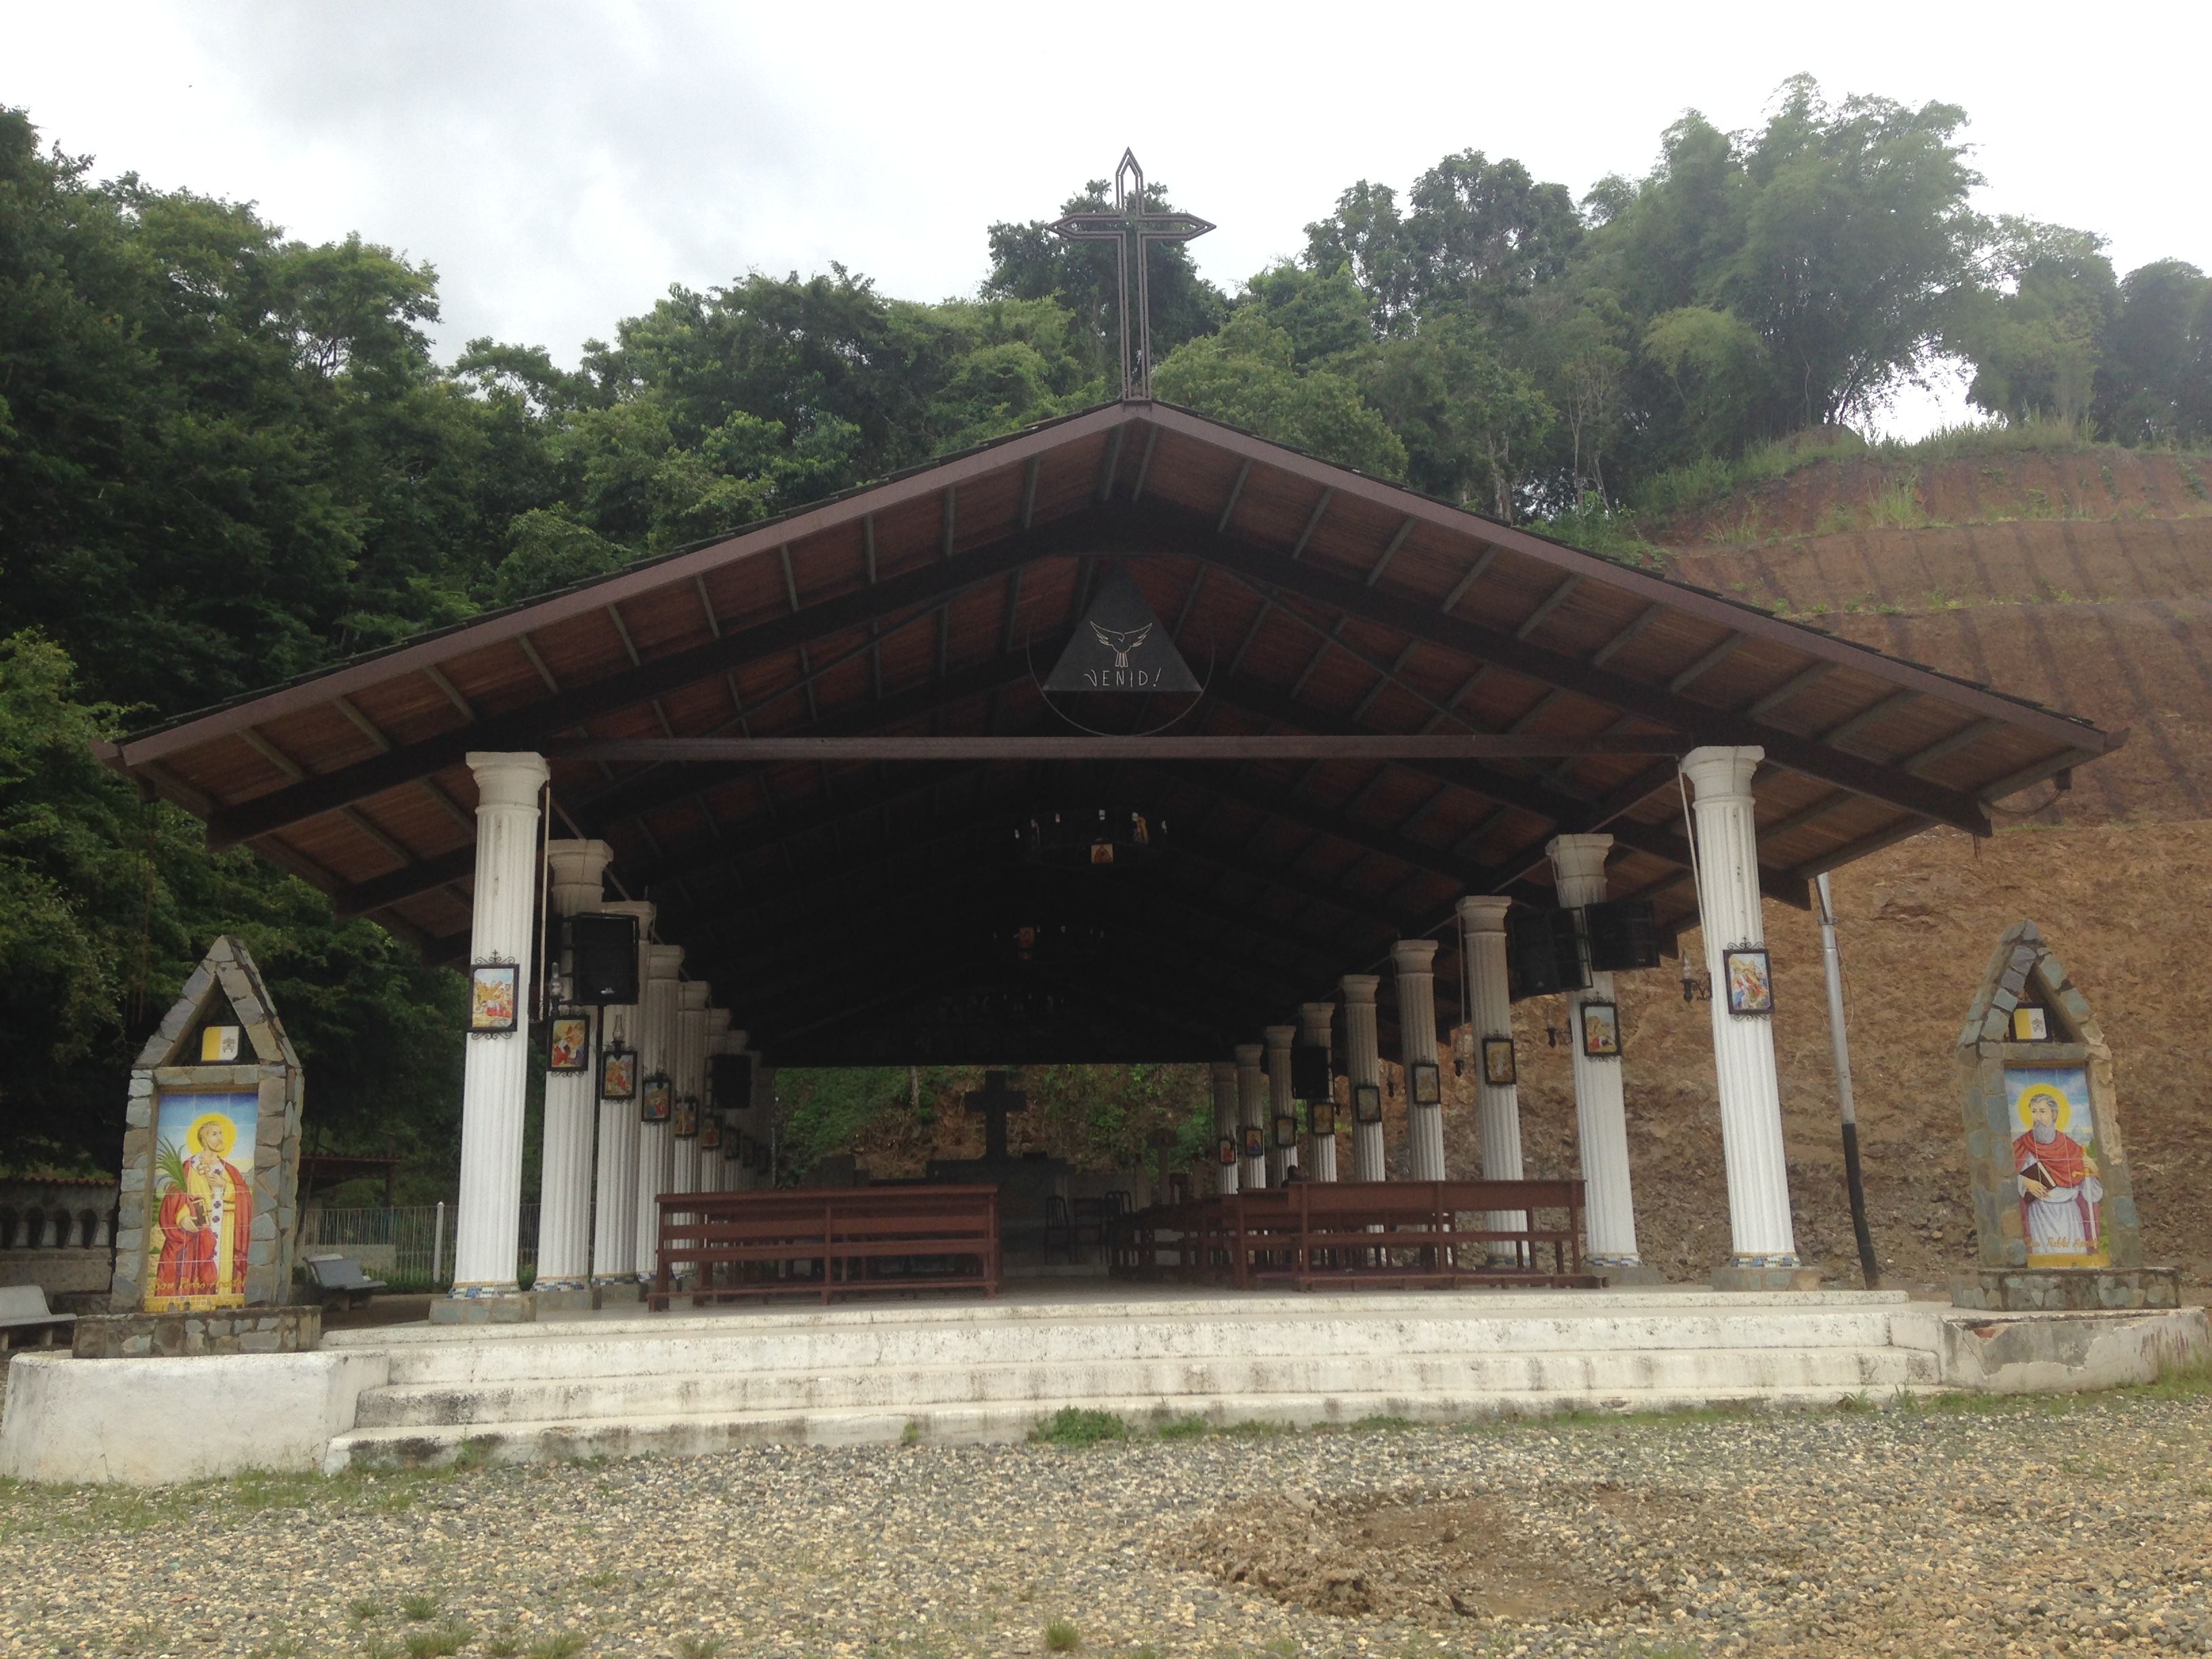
point(189, 1253)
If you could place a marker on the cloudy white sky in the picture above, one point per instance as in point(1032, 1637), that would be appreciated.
point(560, 164)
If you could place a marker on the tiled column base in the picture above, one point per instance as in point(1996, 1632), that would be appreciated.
point(519, 1308)
point(1766, 1279)
point(615, 1292)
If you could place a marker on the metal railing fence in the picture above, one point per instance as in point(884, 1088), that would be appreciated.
point(410, 1247)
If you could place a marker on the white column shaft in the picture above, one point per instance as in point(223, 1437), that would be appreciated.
point(1224, 1124)
point(577, 870)
point(495, 1075)
point(690, 1072)
point(614, 1186)
point(1415, 962)
point(1363, 1064)
point(1251, 1112)
point(1321, 1150)
point(656, 1147)
point(1497, 1106)
point(1282, 1100)
point(1601, 1111)
point(1760, 1221)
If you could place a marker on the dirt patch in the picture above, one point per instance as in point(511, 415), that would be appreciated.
point(1568, 1554)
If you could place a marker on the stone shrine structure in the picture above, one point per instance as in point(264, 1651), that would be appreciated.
point(206, 1219)
point(2054, 1207)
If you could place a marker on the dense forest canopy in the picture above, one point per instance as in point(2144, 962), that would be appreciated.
point(227, 457)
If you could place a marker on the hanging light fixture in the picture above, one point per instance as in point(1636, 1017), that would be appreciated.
point(1091, 836)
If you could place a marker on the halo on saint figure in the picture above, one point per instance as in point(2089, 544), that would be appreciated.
point(230, 1133)
point(2062, 1108)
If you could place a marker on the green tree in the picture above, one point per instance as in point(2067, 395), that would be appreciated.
point(1473, 425)
point(2154, 383)
point(1248, 375)
point(2035, 335)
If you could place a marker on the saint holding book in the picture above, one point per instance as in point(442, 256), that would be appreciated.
point(2059, 1185)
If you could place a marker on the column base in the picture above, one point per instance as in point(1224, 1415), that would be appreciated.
point(2088, 1290)
point(616, 1293)
point(562, 1295)
point(1617, 1271)
point(1738, 1277)
point(495, 1308)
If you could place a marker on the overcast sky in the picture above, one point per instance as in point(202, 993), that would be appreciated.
point(561, 164)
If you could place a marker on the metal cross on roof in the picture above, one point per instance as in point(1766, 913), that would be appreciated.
point(1132, 228)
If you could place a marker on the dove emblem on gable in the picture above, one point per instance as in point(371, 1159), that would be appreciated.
point(1120, 641)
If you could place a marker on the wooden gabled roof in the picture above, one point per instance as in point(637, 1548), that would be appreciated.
point(831, 897)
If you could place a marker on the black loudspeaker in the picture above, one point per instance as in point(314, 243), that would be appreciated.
point(1310, 1071)
point(1623, 935)
point(603, 958)
point(1544, 951)
point(733, 1078)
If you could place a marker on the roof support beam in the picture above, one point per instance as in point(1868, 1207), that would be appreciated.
point(1269, 746)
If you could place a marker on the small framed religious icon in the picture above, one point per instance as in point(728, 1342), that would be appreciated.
point(1286, 1130)
point(617, 1071)
point(734, 1146)
point(1498, 1070)
point(1255, 1144)
point(1323, 1114)
point(1427, 1085)
point(1750, 977)
point(710, 1133)
point(1600, 1031)
point(2030, 1024)
point(1224, 1151)
point(1366, 1102)
point(684, 1120)
point(657, 1104)
point(569, 1046)
point(495, 998)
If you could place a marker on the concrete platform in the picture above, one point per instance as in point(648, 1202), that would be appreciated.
point(614, 1382)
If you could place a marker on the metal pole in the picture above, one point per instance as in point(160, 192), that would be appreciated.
point(1844, 1106)
point(438, 1245)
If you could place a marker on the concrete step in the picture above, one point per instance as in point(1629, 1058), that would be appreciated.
point(979, 1423)
point(848, 1387)
point(761, 1343)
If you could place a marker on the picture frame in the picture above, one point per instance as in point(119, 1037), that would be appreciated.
point(734, 1146)
point(1256, 1141)
point(710, 1133)
point(1286, 1130)
point(219, 1045)
point(1601, 1022)
point(656, 1100)
point(1224, 1151)
point(617, 1071)
point(1748, 973)
point(568, 1043)
point(1500, 1065)
point(1425, 1084)
point(1366, 1102)
point(683, 1121)
point(1323, 1115)
point(495, 998)
point(2030, 1024)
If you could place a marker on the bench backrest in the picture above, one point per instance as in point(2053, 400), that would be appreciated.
point(23, 1302)
point(338, 1272)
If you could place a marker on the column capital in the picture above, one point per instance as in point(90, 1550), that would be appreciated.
point(1314, 1019)
point(718, 1021)
point(507, 779)
point(1483, 912)
point(644, 910)
point(578, 864)
point(1223, 1071)
point(1280, 1036)
point(1414, 956)
point(733, 1042)
point(1249, 1055)
point(1359, 987)
point(1577, 856)
point(1717, 771)
point(663, 961)
point(696, 994)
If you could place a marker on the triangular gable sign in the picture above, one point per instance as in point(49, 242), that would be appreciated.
point(2024, 969)
point(227, 972)
point(1119, 647)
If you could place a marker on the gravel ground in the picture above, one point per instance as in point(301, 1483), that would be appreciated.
point(2071, 1526)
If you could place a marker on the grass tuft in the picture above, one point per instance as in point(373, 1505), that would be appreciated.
point(1075, 1426)
point(419, 1606)
point(1060, 1637)
point(1183, 1428)
point(439, 1643)
point(698, 1647)
point(566, 1645)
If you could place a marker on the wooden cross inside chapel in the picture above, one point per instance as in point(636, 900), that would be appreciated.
point(994, 1100)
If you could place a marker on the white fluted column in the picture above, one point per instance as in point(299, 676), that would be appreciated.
point(713, 1168)
point(1414, 961)
point(614, 1184)
point(495, 1076)
point(1282, 1100)
point(577, 871)
point(690, 1081)
point(1251, 1108)
point(1600, 1113)
point(1224, 1123)
point(1760, 1222)
point(656, 1147)
point(1362, 1063)
point(1498, 1105)
point(1314, 1019)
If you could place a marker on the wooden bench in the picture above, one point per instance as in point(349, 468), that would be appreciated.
point(340, 1282)
point(25, 1317)
point(1380, 1233)
point(827, 1242)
